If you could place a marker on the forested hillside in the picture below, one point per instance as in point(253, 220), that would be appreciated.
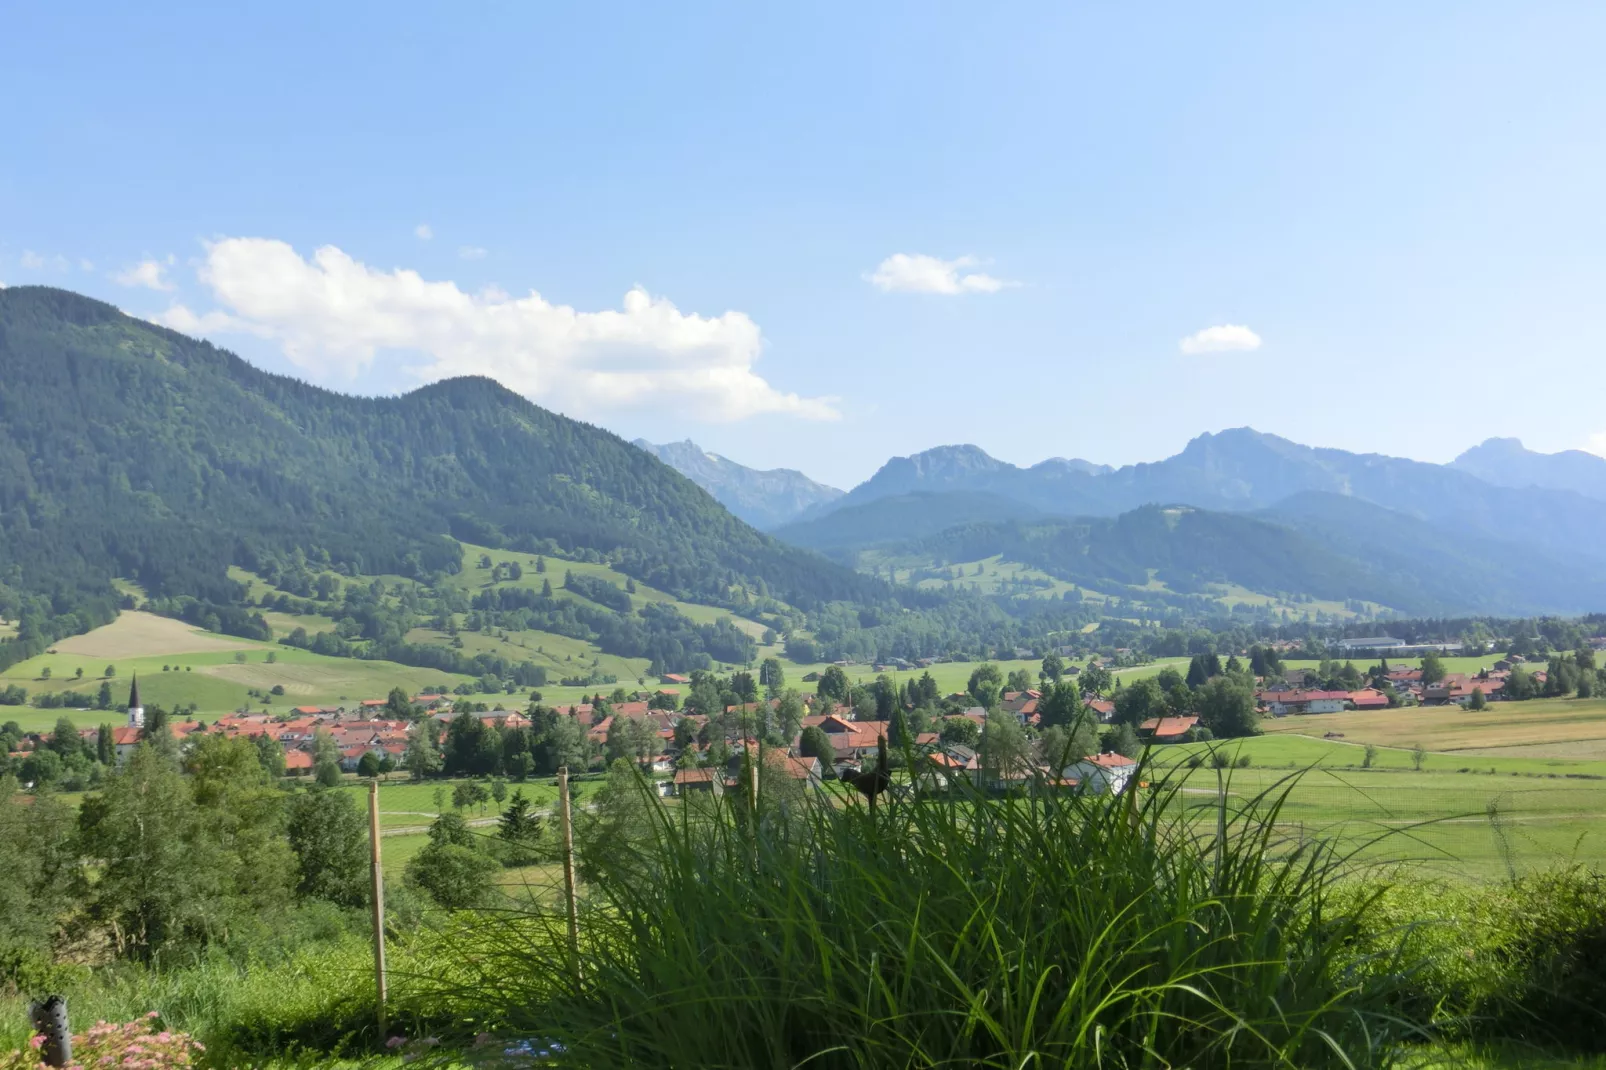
point(1184, 548)
point(130, 450)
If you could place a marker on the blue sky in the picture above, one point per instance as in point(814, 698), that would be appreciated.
point(1387, 218)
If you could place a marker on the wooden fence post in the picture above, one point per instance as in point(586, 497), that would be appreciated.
point(377, 875)
point(50, 1021)
point(570, 902)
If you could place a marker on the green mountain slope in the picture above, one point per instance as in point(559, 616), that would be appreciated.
point(1184, 548)
point(130, 450)
point(1458, 569)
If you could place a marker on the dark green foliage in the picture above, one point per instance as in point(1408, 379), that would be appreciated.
point(329, 837)
point(1139, 702)
point(1522, 960)
point(1120, 739)
point(815, 742)
point(960, 730)
point(599, 591)
point(986, 685)
point(161, 873)
point(452, 870)
point(36, 866)
point(1227, 707)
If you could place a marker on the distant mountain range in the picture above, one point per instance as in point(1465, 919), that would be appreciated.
point(1505, 463)
point(765, 499)
point(127, 450)
point(1502, 529)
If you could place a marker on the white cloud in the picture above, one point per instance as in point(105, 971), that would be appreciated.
point(1597, 444)
point(471, 252)
point(423, 232)
point(919, 274)
point(86, 265)
point(1228, 337)
point(151, 274)
point(32, 261)
point(334, 315)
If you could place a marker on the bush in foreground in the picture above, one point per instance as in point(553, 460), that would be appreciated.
point(1047, 930)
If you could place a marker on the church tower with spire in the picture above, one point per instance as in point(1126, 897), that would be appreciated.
point(136, 709)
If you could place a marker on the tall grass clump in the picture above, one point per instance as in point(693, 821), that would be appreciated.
point(1043, 929)
point(1520, 961)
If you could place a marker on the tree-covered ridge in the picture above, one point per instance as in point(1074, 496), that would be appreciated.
point(1184, 548)
point(131, 450)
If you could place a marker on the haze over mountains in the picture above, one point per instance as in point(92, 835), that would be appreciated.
point(765, 499)
point(131, 451)
point(1501, 528)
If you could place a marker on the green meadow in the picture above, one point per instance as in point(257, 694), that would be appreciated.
point(1481, 818)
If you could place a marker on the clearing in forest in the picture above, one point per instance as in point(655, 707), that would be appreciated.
point(135, 634)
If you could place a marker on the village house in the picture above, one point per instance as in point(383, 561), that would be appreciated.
point(1298, 701)
point(1168, 729)
point(1102, 774)
point(687, 781)
point(1368, 698)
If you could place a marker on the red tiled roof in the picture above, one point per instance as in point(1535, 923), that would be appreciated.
point(695, 776)
point(1168, 726)
point(1111, 761)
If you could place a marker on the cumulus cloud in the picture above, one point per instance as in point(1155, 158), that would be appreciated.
point(151, 274)
point(471, 252)
point(916, 273)
point(423, 232)
point(1227, 338)
point(333, 315)
point(1597, 444)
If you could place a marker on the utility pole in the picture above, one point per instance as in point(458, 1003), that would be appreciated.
point(377, 875)
point(570, 901)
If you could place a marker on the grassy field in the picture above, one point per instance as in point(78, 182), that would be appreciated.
point(1471, 818)
point(405, 804)
point(1456, 664)
point(1541, 728)
point(178, 665)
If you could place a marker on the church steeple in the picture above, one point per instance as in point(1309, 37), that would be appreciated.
point(136, 710)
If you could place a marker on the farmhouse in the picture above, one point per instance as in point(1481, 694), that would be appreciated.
point(1102, 774)
point(1368, 698)
point(1282, 703)
point(1168, 729)
point(687, 781)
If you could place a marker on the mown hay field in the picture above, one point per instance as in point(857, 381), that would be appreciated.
point(1450, 728)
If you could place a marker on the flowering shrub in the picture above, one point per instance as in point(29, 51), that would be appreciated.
point(130, 1046)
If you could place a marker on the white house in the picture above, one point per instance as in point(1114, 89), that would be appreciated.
point(1282, 703)
point(1101, 774)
